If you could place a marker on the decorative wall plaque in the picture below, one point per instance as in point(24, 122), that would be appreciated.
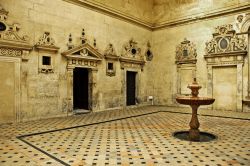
point(186, 52)
point(11, 43)
point(111, 58)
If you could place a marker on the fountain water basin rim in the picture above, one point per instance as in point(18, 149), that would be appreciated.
point(190, 100)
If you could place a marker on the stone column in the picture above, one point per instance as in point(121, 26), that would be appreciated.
point(209, 83)
point(70, 90)
point(93, 92)
point(178, 80)
point(239, 87)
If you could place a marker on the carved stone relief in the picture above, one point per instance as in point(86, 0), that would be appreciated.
point(11, 43)
point(131, 56)
point(111, 58)
point(225, 40)
point(185, 52)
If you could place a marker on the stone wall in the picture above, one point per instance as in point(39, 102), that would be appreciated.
point(45, 95)
point(164, 44)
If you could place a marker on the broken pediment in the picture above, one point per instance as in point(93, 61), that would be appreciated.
point(11, 43)
point(131, 56)
point(226, 47)
point(225, 40)
point(46, 43)
point(83, 55)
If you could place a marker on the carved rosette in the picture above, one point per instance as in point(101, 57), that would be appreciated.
point(47, 43)
point(131, 56)
point(225, 40)
point(11, 43)
point(186, 52)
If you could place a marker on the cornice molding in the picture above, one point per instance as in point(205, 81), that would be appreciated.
point(112, 12)
point(157, 26)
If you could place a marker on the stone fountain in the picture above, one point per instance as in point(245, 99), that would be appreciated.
point(194, 101)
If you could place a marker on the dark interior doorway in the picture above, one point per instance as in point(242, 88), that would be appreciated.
point(81, 88)
point(131, 87)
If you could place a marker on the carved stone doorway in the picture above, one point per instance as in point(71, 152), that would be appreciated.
point(131, 88)
point(81, 88)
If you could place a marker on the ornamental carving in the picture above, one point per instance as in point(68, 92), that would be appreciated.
point(11, 43)
point(131, 50)
point(148, 53)
point(110, 52)
point(186, 52)
point(225, 40)
point(46, 42)
point(131, 55)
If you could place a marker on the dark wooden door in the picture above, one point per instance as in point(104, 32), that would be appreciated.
point(131, 87)
point(81, 88)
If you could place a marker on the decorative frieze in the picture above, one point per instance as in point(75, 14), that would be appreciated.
point(10, 52)
point(185, 52)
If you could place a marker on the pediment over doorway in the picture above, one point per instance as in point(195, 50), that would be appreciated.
point(84, 55)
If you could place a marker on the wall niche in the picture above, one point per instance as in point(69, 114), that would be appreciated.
point(111, 60)
point(186, 65)
point(46, 52)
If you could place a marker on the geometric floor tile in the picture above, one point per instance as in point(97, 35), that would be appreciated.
point(133, 137)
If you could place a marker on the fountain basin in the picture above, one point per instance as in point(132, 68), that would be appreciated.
point(189, 100)
point(204, 136)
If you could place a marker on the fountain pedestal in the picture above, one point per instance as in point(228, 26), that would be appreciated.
point(194, 101)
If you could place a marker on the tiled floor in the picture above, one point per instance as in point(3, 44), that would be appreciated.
point(141, 136)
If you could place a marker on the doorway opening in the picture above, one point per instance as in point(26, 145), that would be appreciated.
point(131, 88)
point(81, 88)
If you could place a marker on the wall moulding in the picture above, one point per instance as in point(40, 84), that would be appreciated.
point(150, 25)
